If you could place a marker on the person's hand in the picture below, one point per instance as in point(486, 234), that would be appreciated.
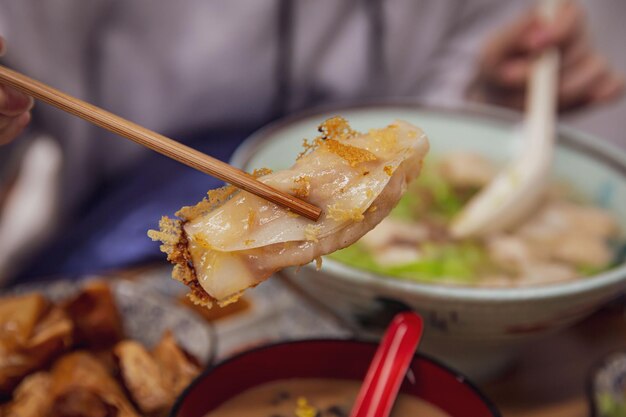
point(14, 110)
point(506, 60)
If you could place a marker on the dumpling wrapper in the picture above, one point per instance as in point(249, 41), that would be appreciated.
point(234, 240)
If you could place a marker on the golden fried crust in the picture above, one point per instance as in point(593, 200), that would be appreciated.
point(175, 242)
point(198, 295)
point(175, 245)
point(336, 127)
point(351, 154)
point(185, 272)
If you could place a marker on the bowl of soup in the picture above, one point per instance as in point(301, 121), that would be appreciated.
point(482, 299)
point(322, 378)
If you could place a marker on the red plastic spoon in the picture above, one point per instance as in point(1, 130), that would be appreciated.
point(388, 368)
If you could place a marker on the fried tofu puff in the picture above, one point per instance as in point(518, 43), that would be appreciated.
point(154, 379)
point(32, 333)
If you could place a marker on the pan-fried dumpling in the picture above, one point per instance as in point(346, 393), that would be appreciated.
point(234, 240)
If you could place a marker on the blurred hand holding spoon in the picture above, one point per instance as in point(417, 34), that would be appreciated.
point(519, 186)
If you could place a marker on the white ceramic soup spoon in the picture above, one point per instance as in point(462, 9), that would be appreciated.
point(518, 188)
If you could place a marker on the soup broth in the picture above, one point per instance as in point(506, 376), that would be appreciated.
point(565, 238)
point(316, 397)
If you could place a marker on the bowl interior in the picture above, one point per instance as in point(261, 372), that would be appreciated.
point(327, 359)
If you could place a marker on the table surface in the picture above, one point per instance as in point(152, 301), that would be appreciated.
point(548, 380)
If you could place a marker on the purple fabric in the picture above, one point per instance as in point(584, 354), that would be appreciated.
point(112, 232)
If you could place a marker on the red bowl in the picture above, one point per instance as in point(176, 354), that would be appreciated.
point(336, 359)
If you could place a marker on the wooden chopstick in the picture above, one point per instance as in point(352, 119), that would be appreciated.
point(156, 142)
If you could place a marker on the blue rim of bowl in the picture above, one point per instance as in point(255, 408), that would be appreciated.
point(458, 376)
point(569, 137)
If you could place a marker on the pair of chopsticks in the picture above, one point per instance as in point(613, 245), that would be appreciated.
point(156, 142)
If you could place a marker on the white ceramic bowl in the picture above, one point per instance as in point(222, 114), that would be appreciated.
point(475, 329)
